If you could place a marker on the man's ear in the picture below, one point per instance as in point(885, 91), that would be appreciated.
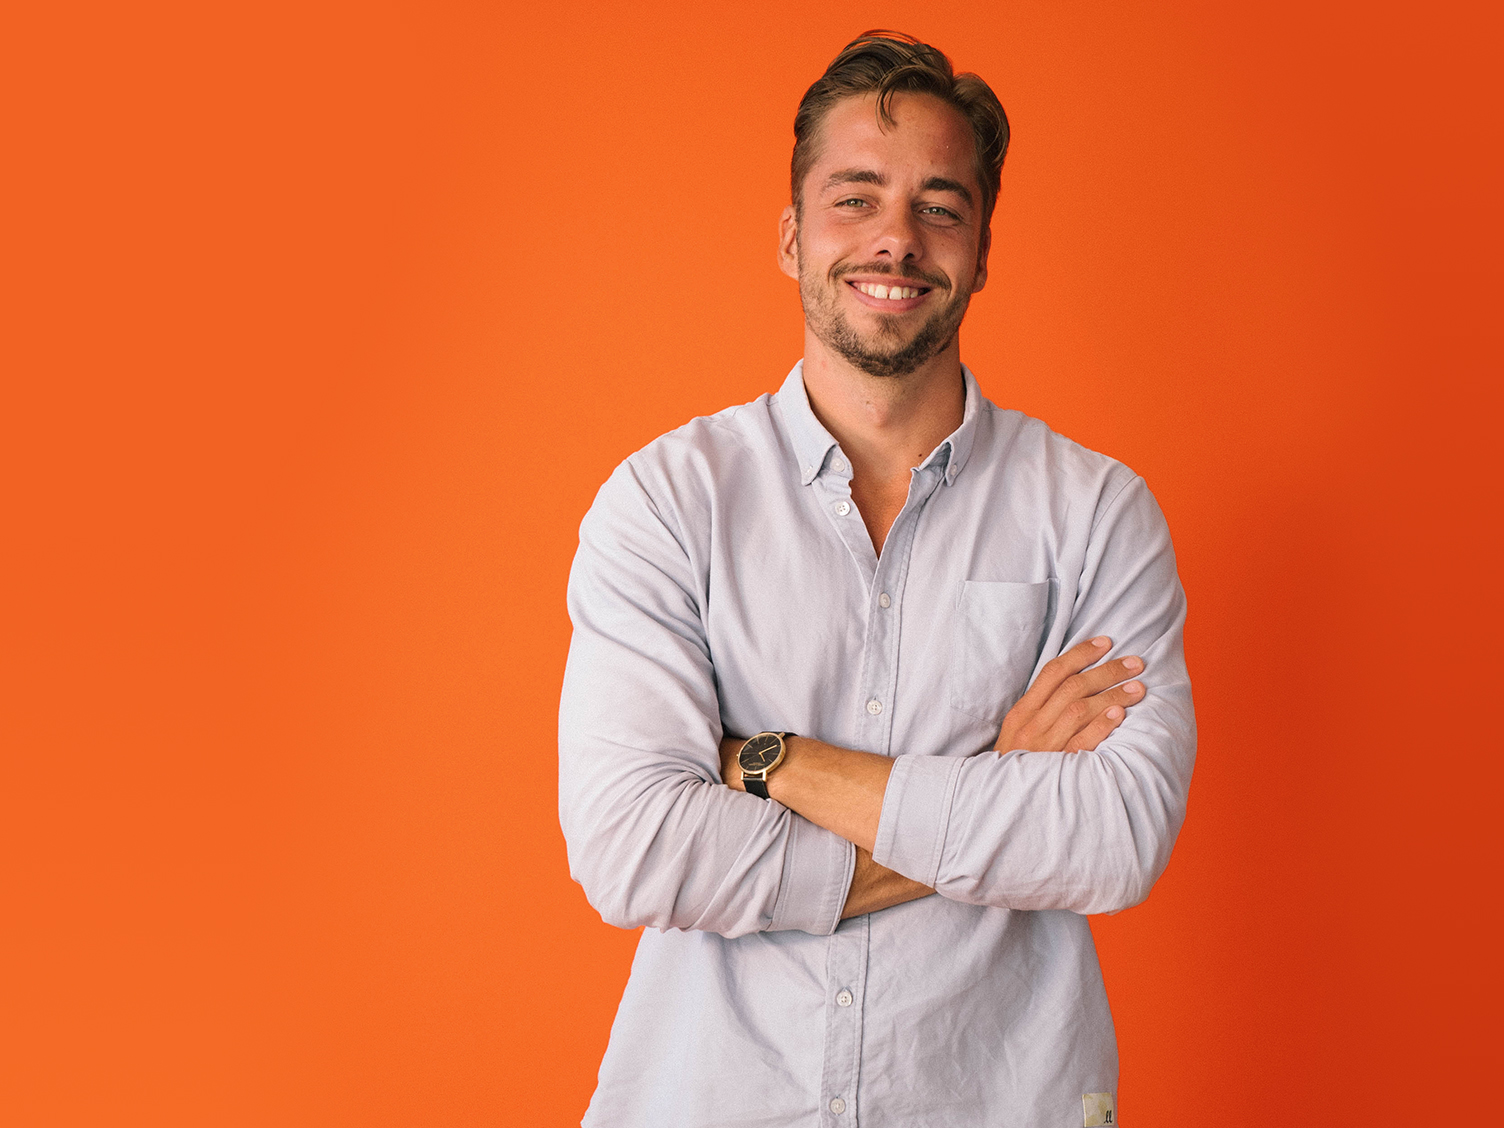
point(982, 250)
point(788, 242)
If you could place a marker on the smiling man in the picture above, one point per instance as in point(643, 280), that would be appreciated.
point(876, 689)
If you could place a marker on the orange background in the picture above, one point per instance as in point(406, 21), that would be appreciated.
point(327, 321)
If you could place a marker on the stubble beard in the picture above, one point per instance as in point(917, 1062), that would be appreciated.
point(884, 352)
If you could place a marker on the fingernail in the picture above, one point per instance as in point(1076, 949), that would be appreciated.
point(1101, 641)
point(1114, 714)
point(1132, 664)
point(1134, 687)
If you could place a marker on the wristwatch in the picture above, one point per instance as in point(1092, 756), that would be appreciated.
point(758, 757)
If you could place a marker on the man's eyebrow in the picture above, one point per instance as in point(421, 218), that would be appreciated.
point(855, 176)
point(941, 184)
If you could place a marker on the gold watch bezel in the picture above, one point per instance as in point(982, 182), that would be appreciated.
point(762, 772)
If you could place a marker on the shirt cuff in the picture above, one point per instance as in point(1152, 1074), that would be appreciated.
point(817, 869)
point(916, 813)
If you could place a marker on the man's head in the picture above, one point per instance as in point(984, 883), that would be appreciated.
point(895, 173)
point(884, 63)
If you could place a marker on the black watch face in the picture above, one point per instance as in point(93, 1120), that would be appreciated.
point(760, 753)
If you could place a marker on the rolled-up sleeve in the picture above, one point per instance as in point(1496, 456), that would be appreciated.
point(1091, 831)
point(653, 835)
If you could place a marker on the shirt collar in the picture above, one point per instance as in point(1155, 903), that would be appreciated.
point(813, 443)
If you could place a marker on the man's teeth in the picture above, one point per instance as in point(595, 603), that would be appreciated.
point(887, 293)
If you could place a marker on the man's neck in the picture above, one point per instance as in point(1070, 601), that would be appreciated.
point(885, 424)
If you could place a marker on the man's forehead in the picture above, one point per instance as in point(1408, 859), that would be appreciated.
point(853, 145)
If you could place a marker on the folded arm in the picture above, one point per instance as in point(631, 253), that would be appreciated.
point(1082, 802)
point(653, 836)
point(1092, 831)
point(1072, 706)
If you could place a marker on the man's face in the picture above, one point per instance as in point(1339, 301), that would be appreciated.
point(895, 212)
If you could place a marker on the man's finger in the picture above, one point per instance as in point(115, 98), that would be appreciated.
point(1128, 693)
point(1057, 669)
point(1091, 682)
point(1067, 697)
point(1081, 715)
point(1084, 685)
point(1097, 731)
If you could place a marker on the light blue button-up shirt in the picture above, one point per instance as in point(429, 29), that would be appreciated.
point(726, 582)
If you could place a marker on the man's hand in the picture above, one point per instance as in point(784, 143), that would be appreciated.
point(1071, 708)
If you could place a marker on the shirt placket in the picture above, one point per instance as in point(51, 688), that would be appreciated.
point(847, 952)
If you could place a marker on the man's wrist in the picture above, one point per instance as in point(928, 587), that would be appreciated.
point(783, 765)
point(731, 769)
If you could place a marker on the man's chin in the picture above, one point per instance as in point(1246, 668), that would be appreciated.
point(891, 350)
point(891, 362)
point(888, 345)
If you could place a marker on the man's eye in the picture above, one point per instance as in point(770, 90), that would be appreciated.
point(936, 209)
point(853, 202)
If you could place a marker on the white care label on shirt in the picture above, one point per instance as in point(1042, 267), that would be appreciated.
point(1098, 1109)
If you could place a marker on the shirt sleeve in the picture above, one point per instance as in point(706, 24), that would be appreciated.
point(654, 837)
point(1092, 831)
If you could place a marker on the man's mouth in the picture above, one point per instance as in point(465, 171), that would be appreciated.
point(889, 293)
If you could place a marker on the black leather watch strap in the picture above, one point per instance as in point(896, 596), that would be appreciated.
point(756, 787)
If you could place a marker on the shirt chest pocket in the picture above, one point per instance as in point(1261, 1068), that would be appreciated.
point(1001, 630)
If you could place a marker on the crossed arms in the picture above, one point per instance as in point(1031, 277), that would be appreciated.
point(659, 835)
point(1074, 704)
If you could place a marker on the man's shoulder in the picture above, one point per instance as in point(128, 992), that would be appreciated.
point(735, 440)
point(728, 432)
point(1013, 443)
point(690, 465)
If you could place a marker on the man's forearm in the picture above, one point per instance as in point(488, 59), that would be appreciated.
point(1073, 704)
point(875, 887)
point(842, 791)
point(836, 788)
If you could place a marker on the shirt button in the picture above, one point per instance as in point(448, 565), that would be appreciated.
point(884, 601)
point(843, 508)
point(838, 466)
point(874, 706)
point(837, 1106)
point(844, 999)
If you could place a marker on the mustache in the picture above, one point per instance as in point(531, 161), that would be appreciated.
point(908, 273)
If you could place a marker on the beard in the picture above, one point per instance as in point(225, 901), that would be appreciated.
point(887, 351)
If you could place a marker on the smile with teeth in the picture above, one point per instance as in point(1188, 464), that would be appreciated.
point(887, 293)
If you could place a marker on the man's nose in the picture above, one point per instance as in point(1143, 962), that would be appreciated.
point(898, 237)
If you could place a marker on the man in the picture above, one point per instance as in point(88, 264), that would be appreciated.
point(880, 561)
